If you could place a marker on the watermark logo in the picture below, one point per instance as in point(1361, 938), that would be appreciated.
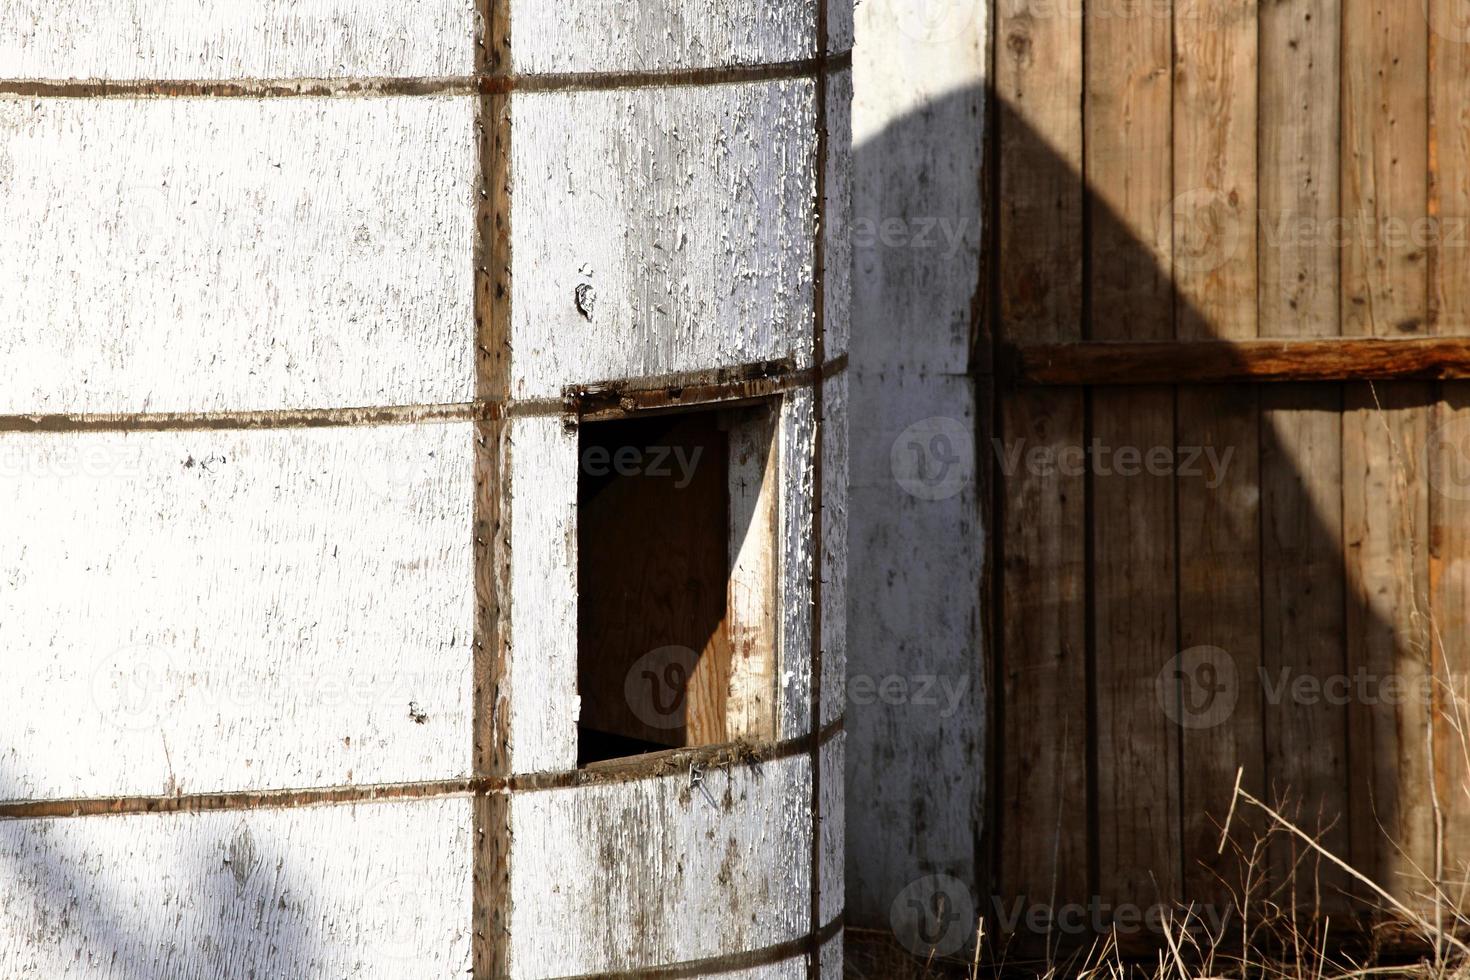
point(1045, 459)
point(1205, 230)
point(933, 916)
point(389, 901)
point(934, 458)
point(657, 686)
point(1198, 687)
point(1450, 21)
point(678, 463)
point(1099, 917)
point(943, 693)
point(146, 221)
point(1447, 459)
point(924, 234)
point(129, 685)
point(936, 21)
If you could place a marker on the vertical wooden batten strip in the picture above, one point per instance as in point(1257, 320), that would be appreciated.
point(1043, 648)
point(1215, 276)
point(1301, 438)
point(491, 913)
point(1449, 443)
point(1385, 198)
point(1128, 132)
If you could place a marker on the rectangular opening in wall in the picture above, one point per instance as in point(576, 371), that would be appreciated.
point(677, 581)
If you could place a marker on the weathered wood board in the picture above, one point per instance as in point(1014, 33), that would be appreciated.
point(543, 493)
point(837, 264)
point(1219, 523)
point(372, 892)
point(659, 35)
point(795, 545)
point(678, 877)
point(1301, 435)
point(835, 528)
point(234, 610)
point(1385, 174)
point(914, 605)
point(1129, 133)
point(1042, 542)
point(1277, 283)
point(233, 39)
point(688, 215)
point(267, 523)
point(204, 255)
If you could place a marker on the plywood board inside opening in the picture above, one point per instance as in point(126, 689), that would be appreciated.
point(676, 581)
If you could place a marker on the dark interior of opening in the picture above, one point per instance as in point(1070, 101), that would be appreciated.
point(653, 542)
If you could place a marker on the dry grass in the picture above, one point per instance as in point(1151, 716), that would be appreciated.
point(1276, 931)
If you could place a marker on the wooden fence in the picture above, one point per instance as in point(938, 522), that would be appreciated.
point(1233, 515)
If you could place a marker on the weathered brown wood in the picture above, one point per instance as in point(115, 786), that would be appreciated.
point(1306, 265)
point(1301, 446)
point(1215, 99)
point(1449, 445)
point(653, 566)
point(1043, 669)
point(1449, 576)
point(1129, 140)
point(1303, 636)
point(1234, 362)
point(1385, 190)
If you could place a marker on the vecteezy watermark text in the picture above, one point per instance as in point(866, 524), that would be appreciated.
point(1209, 463)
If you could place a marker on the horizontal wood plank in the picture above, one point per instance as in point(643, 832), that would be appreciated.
point(1233, 362)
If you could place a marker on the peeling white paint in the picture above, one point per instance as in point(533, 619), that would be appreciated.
point(834, 548)
point(377, 892)
point(543, 663)
point(236, 610)
point(837, 267)
point(208, 611)
point(656, 872)
point(690, 210)
point(233, 254)
point(231, 39)
point(655, 35)
point(797, 546)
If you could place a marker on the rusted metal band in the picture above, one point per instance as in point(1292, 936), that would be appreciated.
point(667, 78)
point(488, 83)
point(819, 425)
point(654, 766)
point(730, 962)
point(761, 380)
point(306, 418)
point(602, 400)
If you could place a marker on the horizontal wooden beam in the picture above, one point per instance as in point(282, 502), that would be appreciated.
point(1244, 361)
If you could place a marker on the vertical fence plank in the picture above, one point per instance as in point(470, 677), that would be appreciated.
point(1129, 136)
point(1385, 200)
point(1449, 443)
point(1301, 451)
point(1215, 99)
point(1043, 536)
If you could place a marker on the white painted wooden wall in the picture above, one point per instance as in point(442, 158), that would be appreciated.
point(915, 751)
point(237, 475)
